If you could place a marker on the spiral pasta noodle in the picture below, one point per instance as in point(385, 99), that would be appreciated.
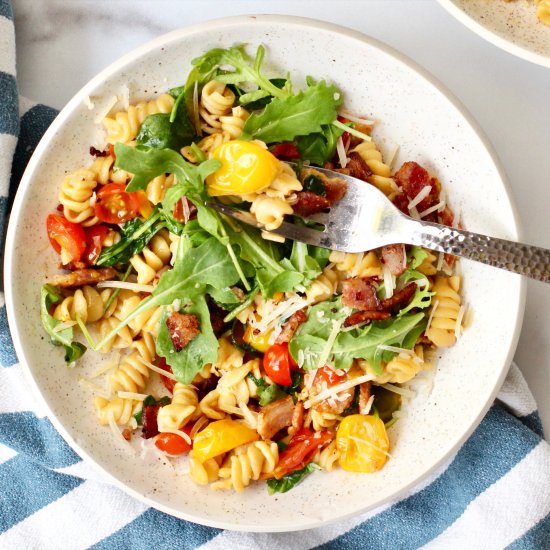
point(102, 169)
point(321, 420)
point(428, 265)
point(204, 473)
point(357, 265)
point(123, 126)
point(543, 11)
point(401, 368)
point(85, 302)
point(152, 258)
point(229, 357)
point(210, 407)
point(247, 463)
point(284, 184)
point(445, 312)
point(233, 124)
point(206, 145)
point(324, 287)
point(157, 187)
point(327, 457)
point(75, 194)
point(270, 211)
point(183, 408)
point(216, 100)
point(146, 322)
point(381, 172)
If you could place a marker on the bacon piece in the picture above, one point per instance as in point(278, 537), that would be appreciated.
point(182, 327)
point(401, 297)
point(127, 434)
point(297, 418)
point(149, 421)
point(359, 294)
point(309, 203)
point(357, 167)
point(362, 316)
point(364, 396)
point(97, 153)
point(413, 178)
point(335, 404)
point(82, 277)
point(291, 325)
point(393, 255)
point(275, 417)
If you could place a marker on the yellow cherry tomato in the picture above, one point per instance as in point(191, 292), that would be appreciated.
point(246, 168)
point(257, 341)
point(219, 437)
point(363, 443)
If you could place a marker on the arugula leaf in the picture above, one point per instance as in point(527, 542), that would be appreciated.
point(201, 350)
point(311, 337)
point(258, 99)
point(416, 256)
point(135, 236)
point(319, 147)
point(266, 392)
point(290, 480)
point(207, 65)
point(320, 255)
point(224, 297)
point(208, 264)
point(49, 296)
point(297, 115)
point(160, 132)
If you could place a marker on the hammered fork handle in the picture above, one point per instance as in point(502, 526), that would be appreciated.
point(531, 261)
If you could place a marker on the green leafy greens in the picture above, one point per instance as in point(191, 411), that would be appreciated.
point(49, 296)
point(290, 480)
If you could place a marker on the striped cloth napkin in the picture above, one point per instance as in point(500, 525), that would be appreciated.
point(494, 493)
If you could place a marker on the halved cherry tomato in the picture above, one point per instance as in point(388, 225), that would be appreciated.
point(277, 364)
point(331, 376)
point(66, 238)
point(178, 210)
point(115, 205)
point(95, 237)
point(286, 151)
point(220, 437)
point(168, 382)
point(174, 444)
point(300, 451)
point(363, 443)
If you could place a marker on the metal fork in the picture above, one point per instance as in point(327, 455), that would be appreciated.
point(365, 219)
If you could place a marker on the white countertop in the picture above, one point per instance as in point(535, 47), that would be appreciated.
point(61, 45)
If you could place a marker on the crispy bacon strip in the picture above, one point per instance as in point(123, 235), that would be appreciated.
point(357, 167)
point(362, 316)
point(412, 178)
point(275, 417)
point(297, 418)
point(149, 420)
point(82, 277)
point(291, 325)
point(393, 255)
point(401, 297)
point(310, 203)
point(182, 327)
point(359, 294)
point(364, 395)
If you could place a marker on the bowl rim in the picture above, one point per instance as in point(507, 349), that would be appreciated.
point(492, 37)
point(115, 67)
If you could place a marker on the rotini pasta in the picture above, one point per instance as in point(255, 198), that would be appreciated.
point(270, 211)
point(152, 258)
point(357, 265)
point(216, 101)
point(445, 312)
point(75, 194)
point(381, 172)
point(324, 287)
point(184, 407)
point(86, 303)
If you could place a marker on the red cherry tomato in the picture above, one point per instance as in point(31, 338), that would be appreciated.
point(300, 451)
point(95, 237)
point(173, 444)
point(115, 205)
point(277, 364)
point(287, 151)
point(66, 235)
point(331, 376)
point(168, 382)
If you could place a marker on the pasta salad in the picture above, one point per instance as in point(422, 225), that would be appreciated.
point(276, 358)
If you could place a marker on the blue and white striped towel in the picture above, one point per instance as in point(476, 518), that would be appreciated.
point(494, 493)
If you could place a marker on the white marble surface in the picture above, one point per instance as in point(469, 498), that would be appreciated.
point(61, 45)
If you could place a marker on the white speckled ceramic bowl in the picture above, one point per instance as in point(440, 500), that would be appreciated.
point(429, 126)
point(511, 26)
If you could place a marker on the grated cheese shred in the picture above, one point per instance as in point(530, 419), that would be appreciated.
point(348, 384)
point(125, 285)
point(422, 194)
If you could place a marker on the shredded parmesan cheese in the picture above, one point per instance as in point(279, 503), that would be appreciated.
point(367, 442)
point(414, 213)
point(181, 433)
point(348, 384)
point(395, 349)
point(357, 264)
point(157, 369)
point(340, 149)
point(458, 324)
point(359, 120)
point(126, 286)
point(431, 209)
point(436, 303)
point(389, 283)
point(118, 434)
point(198, 426)
point(106, 110)
point(336, 325)
point(366, 409)
point(422, 194)
point(392, 156)
point(396, 389)
point(440, 261)
point(63, 326)
point(132, 395)
point(97, 390)
point(88, 102)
